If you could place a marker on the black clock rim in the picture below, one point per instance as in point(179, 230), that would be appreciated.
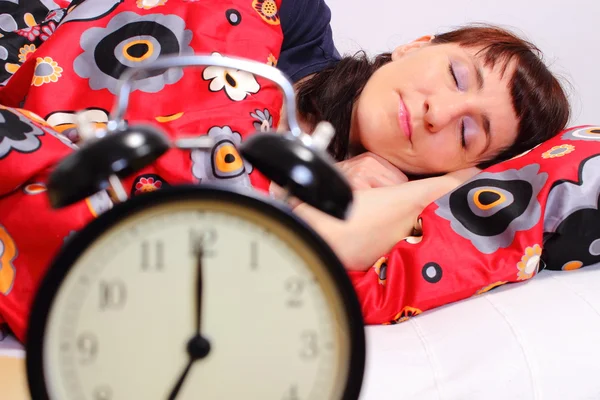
point(68, 254)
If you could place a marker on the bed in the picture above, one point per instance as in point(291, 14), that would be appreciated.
point(527, 341)
point(531, 340)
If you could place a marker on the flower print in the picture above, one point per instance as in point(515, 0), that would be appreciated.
point(148, 4)
point(46, 70)
point(267, 9)
point(236, 84)
point(529, 263)
point(559, 151)
point(47, 30)
point(26, 51)
point(263, 120)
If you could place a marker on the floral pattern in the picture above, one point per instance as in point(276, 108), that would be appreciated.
point(491, 208)
point(380, 268)
point(528, 266)
point(572, 265)
point(263, 120)
point(26, 51)
point(147, 183)
point(588, 134)
point(559, 151)
point(572, 234)
point(404, 315)
point(148, 4)
point(236, 84)
point(8, 252)
point(222, 165)
point(268, 11)
point(55, 15)
point(17, 133)
point(46, 71)
point(142, 39)
point(30, 33)
point(35, 188)
point(27, 39)
point(90, 10)
point(65, 122)
point(47, 30)
point(233, 17)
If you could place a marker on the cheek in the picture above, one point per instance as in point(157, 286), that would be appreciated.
point(368, 121)
point(377, 121)
point(439, 154)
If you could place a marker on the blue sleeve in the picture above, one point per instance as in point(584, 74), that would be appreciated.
point(307, 38)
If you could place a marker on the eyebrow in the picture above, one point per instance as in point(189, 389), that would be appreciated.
point(486, 120)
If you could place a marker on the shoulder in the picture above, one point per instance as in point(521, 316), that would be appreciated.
point(308, 45)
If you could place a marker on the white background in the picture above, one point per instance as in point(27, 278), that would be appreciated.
point(567, 32)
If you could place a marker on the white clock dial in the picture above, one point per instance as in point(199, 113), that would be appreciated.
point(119, 326)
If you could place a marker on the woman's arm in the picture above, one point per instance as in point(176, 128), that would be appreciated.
point(379, 218)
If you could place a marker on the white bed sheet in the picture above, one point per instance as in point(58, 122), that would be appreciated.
point(533, 340)
point(537, 340)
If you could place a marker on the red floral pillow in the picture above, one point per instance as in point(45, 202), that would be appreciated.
point(535, 211)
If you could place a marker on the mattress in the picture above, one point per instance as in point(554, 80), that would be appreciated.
point(533, 340)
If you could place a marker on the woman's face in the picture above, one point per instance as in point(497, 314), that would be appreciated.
point(434, 109)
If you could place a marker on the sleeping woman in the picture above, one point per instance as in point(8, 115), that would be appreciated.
point(410, 125)
point(441, 107)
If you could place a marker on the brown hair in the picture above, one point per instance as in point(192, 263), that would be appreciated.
point(538, 98)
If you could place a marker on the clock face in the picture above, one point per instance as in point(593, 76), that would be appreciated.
point(121, 317)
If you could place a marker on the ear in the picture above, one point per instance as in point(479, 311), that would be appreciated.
point(415, 44)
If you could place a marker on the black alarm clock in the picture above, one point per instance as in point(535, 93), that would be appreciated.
point(197, 292)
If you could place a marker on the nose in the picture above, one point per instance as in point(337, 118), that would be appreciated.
point(442, 110)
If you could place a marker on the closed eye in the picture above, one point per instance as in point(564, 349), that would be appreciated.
point(463, 140)
point(453, 74)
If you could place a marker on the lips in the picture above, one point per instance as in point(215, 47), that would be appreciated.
point(404, 119)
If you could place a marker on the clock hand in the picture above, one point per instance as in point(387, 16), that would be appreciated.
point(199, 259)
point(198, 347)
point(177, 387)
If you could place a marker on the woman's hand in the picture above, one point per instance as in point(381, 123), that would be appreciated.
point(368, 170)
point(380, 217)
point(365, 171)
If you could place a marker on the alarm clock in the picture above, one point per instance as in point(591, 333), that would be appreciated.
point(197, 291)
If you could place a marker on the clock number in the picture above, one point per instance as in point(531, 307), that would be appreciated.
point(87, 346)
point(112, 295)
point(205, 237)
point(291, 393)
point(102, 393)
point(153, 256)
point(310, 348)
point(294, 287)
